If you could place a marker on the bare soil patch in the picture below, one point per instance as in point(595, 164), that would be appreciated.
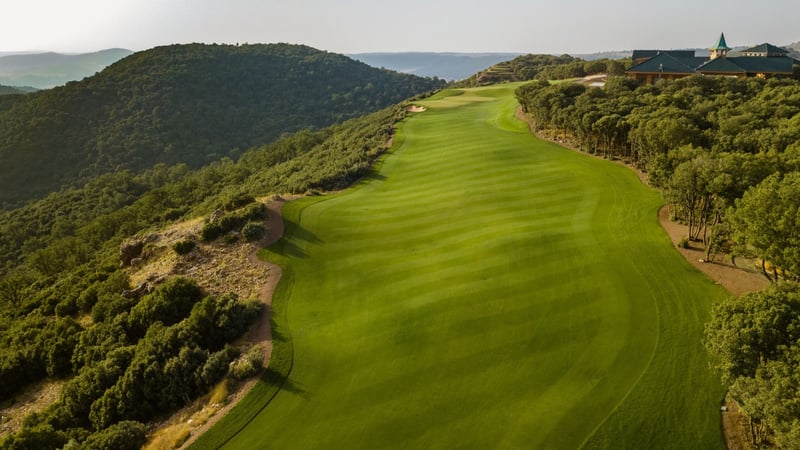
point(734, 428)
point(34, 398)
point(738, 279)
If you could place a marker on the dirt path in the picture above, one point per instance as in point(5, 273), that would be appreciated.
point(734, 428)
point(260, 332)
point(737, 280)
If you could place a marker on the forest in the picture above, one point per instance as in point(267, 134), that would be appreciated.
point(191, 104)
point(65, 310)
point(726, 154)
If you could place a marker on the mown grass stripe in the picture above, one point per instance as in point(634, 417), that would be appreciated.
point(489, 290)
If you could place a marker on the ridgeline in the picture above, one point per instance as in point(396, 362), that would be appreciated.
point(190, 104)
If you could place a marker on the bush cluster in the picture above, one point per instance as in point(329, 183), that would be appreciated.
point(146, 358)
point(242, 220)
point(184, 247)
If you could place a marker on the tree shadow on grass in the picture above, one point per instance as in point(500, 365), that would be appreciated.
point(277, 335)
point(285, 383)
point(298, 232)
point(292, 240)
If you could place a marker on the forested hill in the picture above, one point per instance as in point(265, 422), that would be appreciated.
point(542, 67)
point(188, 104)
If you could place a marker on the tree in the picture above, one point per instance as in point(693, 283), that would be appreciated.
point(766, 221)
point(753, 342)
point(169, 304)
point(125, 435)
point(699, 189)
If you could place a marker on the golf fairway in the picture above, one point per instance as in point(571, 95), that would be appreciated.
point(486, 289)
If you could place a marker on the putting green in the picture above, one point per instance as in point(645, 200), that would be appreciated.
point(486, 289)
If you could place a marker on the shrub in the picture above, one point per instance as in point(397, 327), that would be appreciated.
point(236, 201)
point(174, 213)
point(210, 232)
point(216, 366)
point(253, 232)
point(232, 222)
point(683, 243)
point(248, 364)
point(121, 436)
point(184, 247)
point(87, 299)
point(256, 211)
point(67, 307)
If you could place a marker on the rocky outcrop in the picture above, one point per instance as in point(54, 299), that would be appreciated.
point(130, 250)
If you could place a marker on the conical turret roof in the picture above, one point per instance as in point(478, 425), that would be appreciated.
point(721, 44)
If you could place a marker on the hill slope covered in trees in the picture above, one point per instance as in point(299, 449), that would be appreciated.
point(68, 311)
point(188, 104)
point(542, 67)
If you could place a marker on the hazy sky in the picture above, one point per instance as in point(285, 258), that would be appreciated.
point(351, 26)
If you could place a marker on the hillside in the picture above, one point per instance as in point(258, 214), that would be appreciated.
point(8, 90)
point(72, 317)
point(794, 50)
point(548, 67)
point(188, 104)
point(449, 66)
point(45, 70)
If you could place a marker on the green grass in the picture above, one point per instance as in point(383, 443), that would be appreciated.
point(485, 290)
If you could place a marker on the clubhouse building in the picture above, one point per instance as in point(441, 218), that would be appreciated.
point(763, 61)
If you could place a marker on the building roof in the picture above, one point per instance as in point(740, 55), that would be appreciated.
point(747, 64)
point(755, 64)
point(721, 66)
point(721, 44)
point(665, 62)
point(647, 54)
point(766, 49)
point(761, 59)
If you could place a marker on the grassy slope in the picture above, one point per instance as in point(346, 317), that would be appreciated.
point(489, 290)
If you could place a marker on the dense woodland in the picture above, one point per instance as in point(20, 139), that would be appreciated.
point(191, 104)
point(726, 153)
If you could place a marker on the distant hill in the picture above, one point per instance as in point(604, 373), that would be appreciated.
point(621, 54)
point(8, 90)
point(45, 70)
point(449, 66)
point(188, 104)
point(794, 50)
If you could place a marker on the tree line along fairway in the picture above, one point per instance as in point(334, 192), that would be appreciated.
point(486, 289)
